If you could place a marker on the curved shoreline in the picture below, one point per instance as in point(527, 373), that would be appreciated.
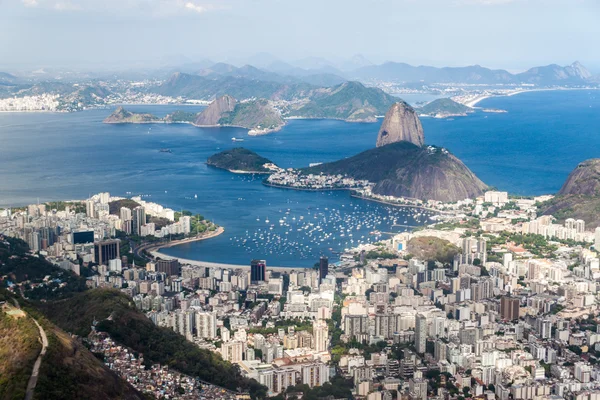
point(156, 247)
point(154, 251)
point(477, 100)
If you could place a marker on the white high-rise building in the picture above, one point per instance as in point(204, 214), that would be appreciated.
point(420, 333)
point(104, 197)
point(232, 351)
point(597, 238)
point(321, 335)
point(206, 325)
point(315, 374)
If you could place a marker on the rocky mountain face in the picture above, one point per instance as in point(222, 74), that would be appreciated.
point(401, 123)
point(579, 197)
point(583, 180)
point(215, 111)
point(403, 169)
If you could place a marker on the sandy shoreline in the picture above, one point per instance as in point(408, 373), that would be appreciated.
point(155, 252)
point(478, 99)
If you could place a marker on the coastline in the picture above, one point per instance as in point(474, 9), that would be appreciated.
point(305, 189)
point(356, 196)
point(154, 250)
point(478, 99)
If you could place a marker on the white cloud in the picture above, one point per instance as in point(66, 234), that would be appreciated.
point(155, 8)
point(195, 7)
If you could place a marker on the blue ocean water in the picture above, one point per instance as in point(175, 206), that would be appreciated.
point(529, 150)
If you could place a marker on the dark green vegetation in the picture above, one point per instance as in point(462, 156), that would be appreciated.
point(133, 329)
point(444, 107)
point(432, 248)
point(18, 266)
point(253, 114)
point(180, 116)
point(239, 159)
point(535, 244)
point(70, 371)
point(579, 197)
point(115, 206)
point(19, 347)
point(350, 101)
point(403, 169)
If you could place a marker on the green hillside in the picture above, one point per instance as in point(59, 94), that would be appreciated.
point(239, 159)
point(350, 101)
point(133, 329)
point(444, 107)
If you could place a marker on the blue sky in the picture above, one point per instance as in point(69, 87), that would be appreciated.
point(94, 34)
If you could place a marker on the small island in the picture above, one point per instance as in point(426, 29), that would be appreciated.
point(444, 108)
point(242, 161)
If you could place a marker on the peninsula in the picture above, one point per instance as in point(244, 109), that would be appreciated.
point(258, 116)
point(400, 166)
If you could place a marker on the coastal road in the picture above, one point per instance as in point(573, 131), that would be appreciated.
point(38, 362)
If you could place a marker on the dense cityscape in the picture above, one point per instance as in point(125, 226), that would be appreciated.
point(314, 200)
point(494, 300)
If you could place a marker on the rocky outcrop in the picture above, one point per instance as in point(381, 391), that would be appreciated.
point(579, 197)
point(583, 180)
point(401, 123)
point(215, 111)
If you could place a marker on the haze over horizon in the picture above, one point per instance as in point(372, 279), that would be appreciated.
point(92, 35)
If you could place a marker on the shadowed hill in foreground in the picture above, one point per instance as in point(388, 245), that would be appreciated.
point(133, 329)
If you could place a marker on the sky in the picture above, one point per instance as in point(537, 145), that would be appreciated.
point(108, 34)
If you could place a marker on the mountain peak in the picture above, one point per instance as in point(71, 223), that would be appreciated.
point(401, 124)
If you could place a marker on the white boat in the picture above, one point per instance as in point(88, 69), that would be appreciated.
point(234, 139)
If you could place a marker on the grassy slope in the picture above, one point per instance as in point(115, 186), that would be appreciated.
point(71, 371)
point(19, 347)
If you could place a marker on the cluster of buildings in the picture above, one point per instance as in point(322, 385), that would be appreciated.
point(492, 321)
point(157, 381)
point(43, 102)
point(81, 232)
point(296, 179)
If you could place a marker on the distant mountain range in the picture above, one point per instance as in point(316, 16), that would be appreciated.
point(574, 74)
